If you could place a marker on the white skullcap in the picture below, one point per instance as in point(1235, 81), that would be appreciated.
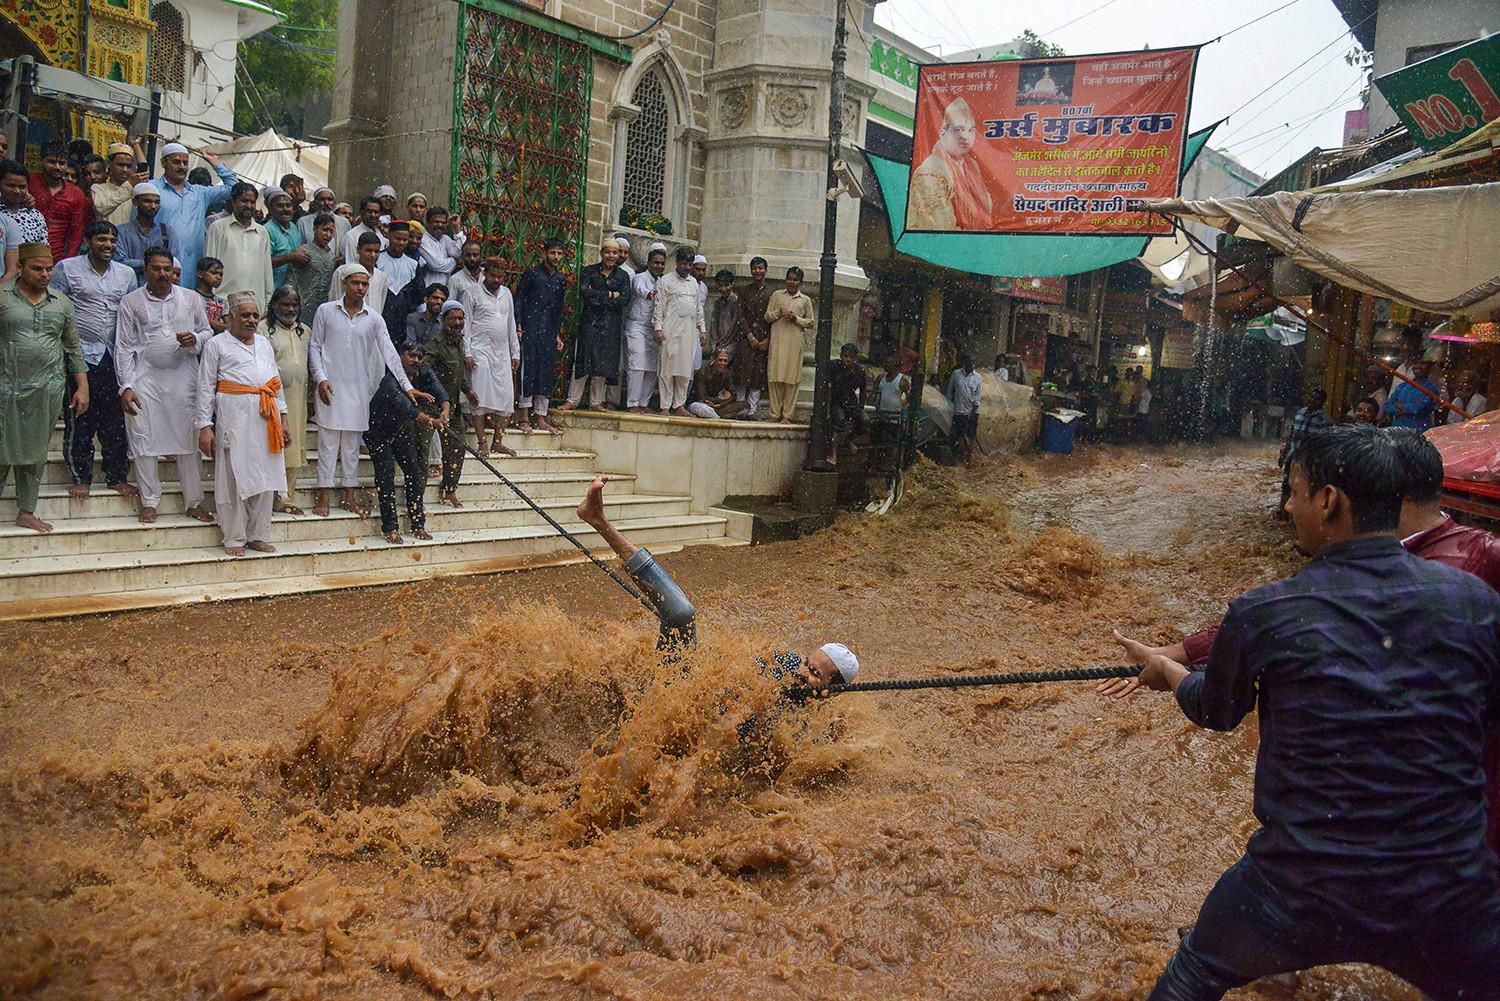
point(658, 245)
point(319, 191)
point(346, 270)
point(144, 188)
point(700, 259)
point(623, 241)
point(383, 191)
point(171, 148)
point(414, 195)
point(269, 192)
point(843, 658)
point(449, 307)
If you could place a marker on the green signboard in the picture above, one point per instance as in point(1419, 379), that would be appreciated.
point(1444, 98)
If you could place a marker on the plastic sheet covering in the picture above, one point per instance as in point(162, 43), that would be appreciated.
point(1007, 413)
point(1471, 450)
point(266, 158)
point(1437, 249)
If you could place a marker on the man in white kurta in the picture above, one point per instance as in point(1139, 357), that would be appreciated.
point(492, 349)
point(346, 353)
point(640, 341)
point(239, 419)
point(677, 318)
point(244, 247)
point(158, 342)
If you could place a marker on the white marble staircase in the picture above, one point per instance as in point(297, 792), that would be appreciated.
point(100, 558)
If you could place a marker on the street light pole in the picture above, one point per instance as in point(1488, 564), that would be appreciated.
point(819, 435)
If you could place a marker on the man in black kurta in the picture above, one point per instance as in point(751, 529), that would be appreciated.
point(392, 443)
point(605, 288)
point(539, 316)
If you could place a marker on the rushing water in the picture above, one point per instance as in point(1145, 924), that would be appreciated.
point(491, 788)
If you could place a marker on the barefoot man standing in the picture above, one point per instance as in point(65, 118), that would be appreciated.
point(240, 385)
point(40, 344)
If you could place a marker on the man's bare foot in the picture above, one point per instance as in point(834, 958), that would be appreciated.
point(260, 547)
point(28, 520)
point(321, 507)
point(200, 513)
point(394, 538)
point(451, 499)
point(79, 491)
point(282, 507)
point(681, 412)
point(148, 516)
point(666, 413)
point(506, 451)
point(496, 445)
point(591, 508)
point(639, 410)
point(543, 424)
point(352, 504)
point(434, 471)
point(602, 407)
point(421, 533)
point(569, 405)
point(526, 428)
point(234, 550)
point(127, 490)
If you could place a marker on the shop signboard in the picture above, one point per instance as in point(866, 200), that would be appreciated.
point(1050, 289)
point(1049, 145)
point(1177, 348)
point(1447, 96)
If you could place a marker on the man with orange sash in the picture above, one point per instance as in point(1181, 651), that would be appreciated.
point(240, 410)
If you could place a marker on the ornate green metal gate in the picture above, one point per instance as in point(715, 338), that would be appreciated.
point(520, 132)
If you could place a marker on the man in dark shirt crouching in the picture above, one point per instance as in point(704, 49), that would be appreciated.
point(1375, 674)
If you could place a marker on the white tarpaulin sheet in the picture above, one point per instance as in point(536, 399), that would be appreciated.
point(1437, 249)
point(266, 158)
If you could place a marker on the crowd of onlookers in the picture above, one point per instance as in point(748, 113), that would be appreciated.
point(121, 279)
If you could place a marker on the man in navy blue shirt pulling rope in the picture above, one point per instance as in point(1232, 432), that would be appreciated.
point(1375, 675)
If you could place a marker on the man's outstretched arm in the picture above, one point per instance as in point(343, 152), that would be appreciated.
point(591, 513)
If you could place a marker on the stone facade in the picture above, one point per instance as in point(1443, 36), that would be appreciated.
point(746, 88)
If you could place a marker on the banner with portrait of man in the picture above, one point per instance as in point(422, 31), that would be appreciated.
point(1049, 145)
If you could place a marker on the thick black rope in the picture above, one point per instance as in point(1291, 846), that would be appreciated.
point(630, 589)
point(799, 693)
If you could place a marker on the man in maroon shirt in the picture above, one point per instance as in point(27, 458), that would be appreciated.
point(1425, 531)
point(61, 202)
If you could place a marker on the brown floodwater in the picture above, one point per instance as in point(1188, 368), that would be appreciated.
point(491, 788)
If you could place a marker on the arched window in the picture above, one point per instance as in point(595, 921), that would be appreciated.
point(647, 141)
point(166, 65)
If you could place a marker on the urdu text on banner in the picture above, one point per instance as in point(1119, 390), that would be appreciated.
point(1049, 145)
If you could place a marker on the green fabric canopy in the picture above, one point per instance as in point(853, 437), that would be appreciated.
point(1007, 253)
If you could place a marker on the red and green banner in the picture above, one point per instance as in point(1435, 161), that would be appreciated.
point(1049, 145)
point(1444, 98)
point(1048, 288)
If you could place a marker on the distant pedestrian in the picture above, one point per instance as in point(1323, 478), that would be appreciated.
point(846, 399)
point(790, 314)
point(964, 387)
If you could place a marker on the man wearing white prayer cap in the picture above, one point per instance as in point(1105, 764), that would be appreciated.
point(348, 348)
point(185, 206)
point(323, 201)
point(387, 196)
point(700, 272)
point(830, 664)
point(145, 230)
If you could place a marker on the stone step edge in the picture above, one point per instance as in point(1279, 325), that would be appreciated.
point(168, 521)
point(48, 566)
point(124, 601)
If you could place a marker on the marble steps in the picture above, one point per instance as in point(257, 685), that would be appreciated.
point(531, 460)
point(126, 537)
point(48, 585)
point(478, 484)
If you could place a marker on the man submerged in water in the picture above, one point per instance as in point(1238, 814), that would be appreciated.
point(829, 665)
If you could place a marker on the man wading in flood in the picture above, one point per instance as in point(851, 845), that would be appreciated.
point(830, 664)
point(1375, 673)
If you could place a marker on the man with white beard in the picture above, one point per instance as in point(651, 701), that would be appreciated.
point(677, 317)
point(492, 352)
point(239, 419)
point(640, 344)
point(348, 347)
point(158, 342)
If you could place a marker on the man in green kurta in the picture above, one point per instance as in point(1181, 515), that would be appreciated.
point(38, 352)
point(446, 353)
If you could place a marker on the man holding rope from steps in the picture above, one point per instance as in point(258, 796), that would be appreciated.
point(1375, 675)
point(831, 664)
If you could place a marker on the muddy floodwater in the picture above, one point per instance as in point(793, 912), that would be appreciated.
point(489, 787)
